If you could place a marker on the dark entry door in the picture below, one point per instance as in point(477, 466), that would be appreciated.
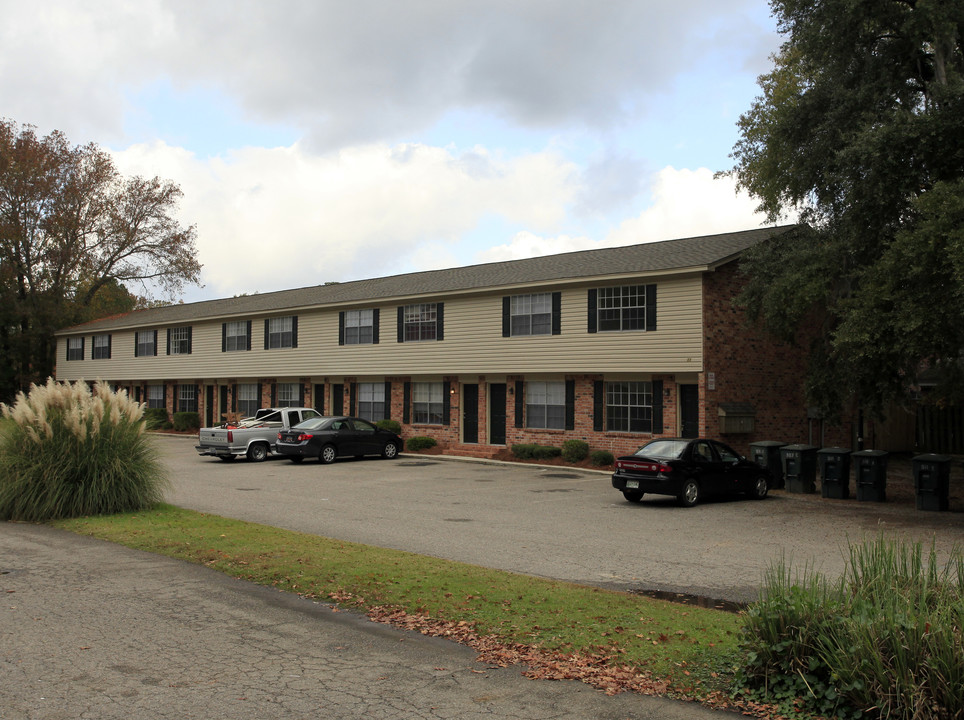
point(209, 405)
point(689, 410)
point(470, 413)
point(497, 414)
point(224, 401)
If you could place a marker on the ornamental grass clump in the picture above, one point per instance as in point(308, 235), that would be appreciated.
point(884, 641)
point(67, 450)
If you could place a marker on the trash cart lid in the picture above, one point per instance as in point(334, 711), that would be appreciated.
point(767, 443)
point(871, 453)
point(932, 457)
point(799, 448)
point(833, 451)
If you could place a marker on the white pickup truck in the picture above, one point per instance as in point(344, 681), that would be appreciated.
point(253, 437)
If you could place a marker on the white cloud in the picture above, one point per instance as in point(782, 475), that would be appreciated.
point(685, 203)
point(277, 218)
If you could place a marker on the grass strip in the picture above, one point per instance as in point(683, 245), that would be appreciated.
point(690, 648)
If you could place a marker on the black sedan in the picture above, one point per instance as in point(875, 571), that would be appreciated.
point(327, 438)
point(688, 468)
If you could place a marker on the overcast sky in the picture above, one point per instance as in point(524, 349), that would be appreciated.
point(323, 140)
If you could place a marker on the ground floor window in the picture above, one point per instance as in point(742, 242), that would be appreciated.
point(187, 398)
point(371, 401)
point(546, 405)
point(427, 402)
point(248, 401)
point(288, 395)
point(155, 396)
point(629, 406)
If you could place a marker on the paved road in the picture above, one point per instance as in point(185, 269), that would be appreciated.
point(93, 630)
point(555, 522)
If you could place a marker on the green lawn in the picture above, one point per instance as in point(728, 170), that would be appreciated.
point(623, 640)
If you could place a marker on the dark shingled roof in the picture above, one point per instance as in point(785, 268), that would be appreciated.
point(704, 252)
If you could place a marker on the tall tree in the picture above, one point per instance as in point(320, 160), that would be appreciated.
point(73, 229)
point(860, 130)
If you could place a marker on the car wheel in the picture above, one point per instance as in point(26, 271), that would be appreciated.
point(328, 454)
point(296, 459)
point(634, 496)
point(390, 451)
point(760, 488)
point(691, 493)
point(257, 452)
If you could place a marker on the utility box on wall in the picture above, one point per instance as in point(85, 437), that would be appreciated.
point(737, 417)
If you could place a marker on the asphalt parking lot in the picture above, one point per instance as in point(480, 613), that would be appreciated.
point(552, 522)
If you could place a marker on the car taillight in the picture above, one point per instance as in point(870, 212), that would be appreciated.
point(643, 466)
point(230, 436)
point(304, 438)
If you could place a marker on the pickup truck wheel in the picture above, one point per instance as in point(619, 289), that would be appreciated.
point(328, 454)
point(634, 496)
point(257, 452)
point(390, 451)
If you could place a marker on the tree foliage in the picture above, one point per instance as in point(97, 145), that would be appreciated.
point(73, 234)
point(860, 131)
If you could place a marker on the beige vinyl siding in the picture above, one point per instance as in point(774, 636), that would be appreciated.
point(472, 344)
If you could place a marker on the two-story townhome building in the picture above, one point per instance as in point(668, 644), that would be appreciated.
point(612, 346)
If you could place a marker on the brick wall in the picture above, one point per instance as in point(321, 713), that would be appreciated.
point(749, 366)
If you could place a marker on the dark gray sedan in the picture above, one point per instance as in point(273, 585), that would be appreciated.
point(327, 438)
point(688, 469)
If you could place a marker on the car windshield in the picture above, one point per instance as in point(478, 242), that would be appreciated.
point(666, 449)
point(315, 423)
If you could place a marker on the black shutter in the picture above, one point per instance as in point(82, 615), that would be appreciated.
point(352, 388)
point(135, 343)
point(224, 337)
point(557, 313)
point(294, 331)
point(301, 394)
point(155, 342)
point(570, 404)
point(506, 316)
point(266, 334)
point(109, 347)
point(657, 406)
point(341, 327)
point(337, 399)
point(388, 399)
point(248, 341)
point(446, 402)
point(234, 397)
point(260, 396)
point(519, 403)
point(650, 307)
point(169, 341)
point(190, 339)
point(598, 404)
point(401, 324)
point(440, 322)
point(406, 402)
point(591, 327)
point(375, 326)
point(274, 394)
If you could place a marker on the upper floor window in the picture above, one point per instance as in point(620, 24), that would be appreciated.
point(546, 405)
point(179, 341)
point(145, 343)
point(236, 336)
point(419, 322)
point(615, 309)
point(536, 314)
point(281, 332)
point(75, 348)
point(358, 327)
point(100, 348)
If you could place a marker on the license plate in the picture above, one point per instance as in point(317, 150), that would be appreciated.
point(632, 484)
